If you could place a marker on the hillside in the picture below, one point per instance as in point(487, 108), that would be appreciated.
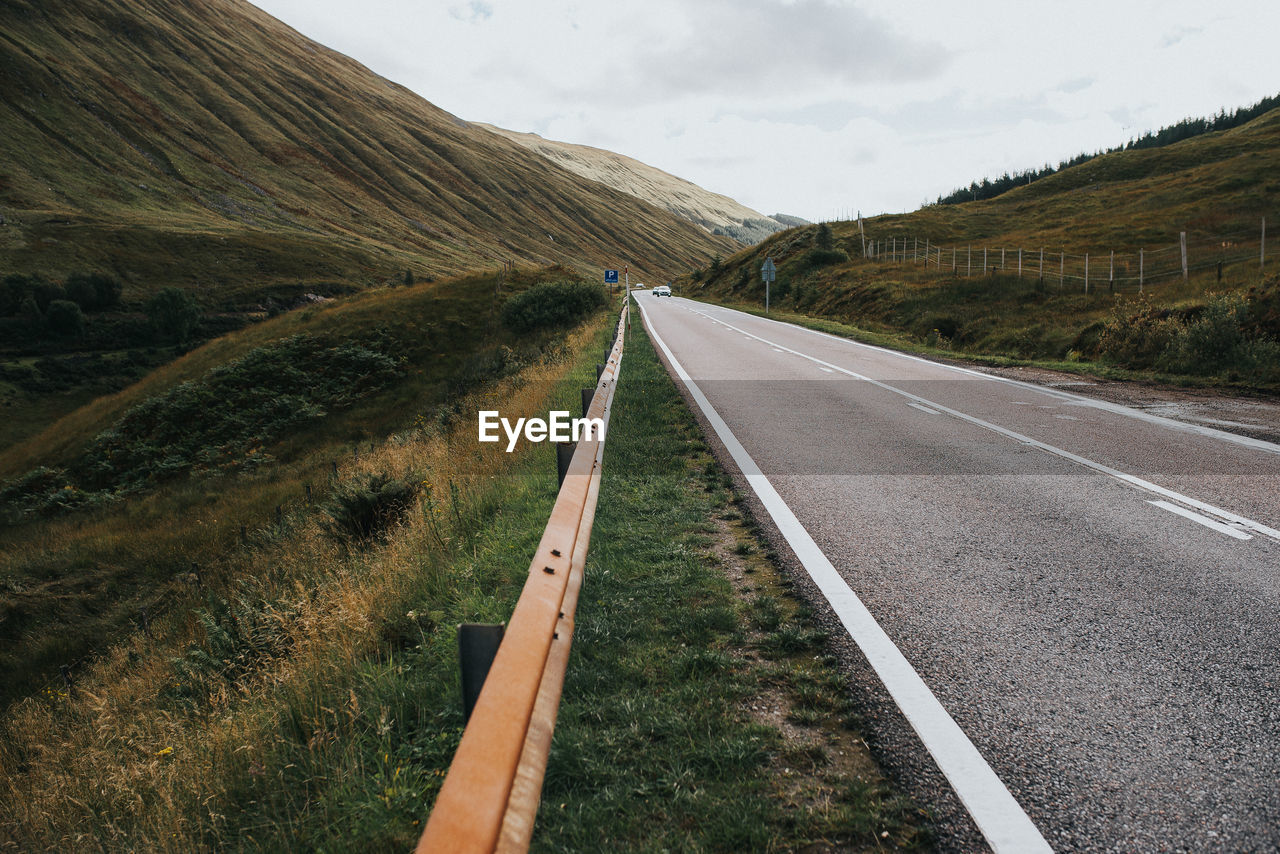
point(1216, 188)
point(208, 145)
point(714, 212)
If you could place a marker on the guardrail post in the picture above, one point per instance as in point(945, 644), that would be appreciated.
point(477, 645)
point(599, 371)
point(564, 453)
point(588, 394)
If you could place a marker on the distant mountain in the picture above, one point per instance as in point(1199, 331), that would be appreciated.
point(204, 143)
point(714, 212)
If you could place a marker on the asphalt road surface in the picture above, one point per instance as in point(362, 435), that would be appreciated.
point(1086, 596)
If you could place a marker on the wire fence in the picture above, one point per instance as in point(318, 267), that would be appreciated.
point(1129, 269)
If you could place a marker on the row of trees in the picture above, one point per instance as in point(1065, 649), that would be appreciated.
point(43, 305)
point(89, 291)
point(988, 188)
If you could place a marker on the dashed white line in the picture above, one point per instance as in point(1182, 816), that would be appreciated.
point(1203, 520)
point(999, 816)
point(1225, 516)
point(923, 408)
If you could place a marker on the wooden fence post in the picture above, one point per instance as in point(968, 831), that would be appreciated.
point(1041, 273)
point(1141, 261)
point(1019, 263)
point(1086, 272)
point(1262, 251)
point(969, 269)
point(984, 260)
point(1062, 267)
point(1111, 273)
point(1182, 240)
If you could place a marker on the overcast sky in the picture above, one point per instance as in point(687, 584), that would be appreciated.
point(816, 107)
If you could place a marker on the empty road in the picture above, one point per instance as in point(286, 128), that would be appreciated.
point(1075, 605)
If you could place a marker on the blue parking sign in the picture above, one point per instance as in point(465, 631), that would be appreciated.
point(611, 277)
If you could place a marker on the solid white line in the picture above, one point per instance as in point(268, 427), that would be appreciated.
point(922, 408)
point(997, 813)
point(1203, 520)
point(1075, 399)
point(1131, 480)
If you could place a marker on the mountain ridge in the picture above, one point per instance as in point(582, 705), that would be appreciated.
point(262, 151)
point(715, 212)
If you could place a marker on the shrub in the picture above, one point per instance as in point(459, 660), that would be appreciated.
point(93, 291)
point(826, 257)
point(14, 290)
point(551, 304)
point(823, 238)
point(366, 509)
point(174, 315)
point(65, 318)
point(239, 635)
point(46, 292)
point(1216, 342)
point(1137, 334)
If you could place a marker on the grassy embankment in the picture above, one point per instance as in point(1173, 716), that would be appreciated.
point(72, 582)
point(1205, 330)
point(315, 705)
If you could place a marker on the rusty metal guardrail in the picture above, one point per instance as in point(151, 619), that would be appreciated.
point(491, 793)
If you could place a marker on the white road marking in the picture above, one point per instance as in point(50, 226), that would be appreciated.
point(1074, 399)
point(922, 408)
point(828, 370)
point(1132, 480)
point(997, 813)
point(1203, 520)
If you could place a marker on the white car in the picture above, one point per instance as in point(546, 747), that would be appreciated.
point(662, 291)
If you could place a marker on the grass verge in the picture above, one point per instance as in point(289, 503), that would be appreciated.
point(700, 712)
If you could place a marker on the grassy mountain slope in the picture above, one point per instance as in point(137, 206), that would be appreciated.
point(206, 144)
point(1215, 187)
point(715, 212)
point(148, 482)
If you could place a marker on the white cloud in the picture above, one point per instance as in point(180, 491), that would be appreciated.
point(813, 106)
point(473, 12)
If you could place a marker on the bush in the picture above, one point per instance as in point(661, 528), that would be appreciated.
point(174, 315)
point(823, 238)
point(826, 257)
point(65, 318)
point(93, 291)
point(1137, 334)
point(1216, 343)
point(365, 510)
point(551, 304)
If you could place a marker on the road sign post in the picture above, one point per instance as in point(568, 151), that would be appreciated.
point(768, 272)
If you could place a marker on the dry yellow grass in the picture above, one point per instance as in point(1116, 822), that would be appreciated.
point(119, 766)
